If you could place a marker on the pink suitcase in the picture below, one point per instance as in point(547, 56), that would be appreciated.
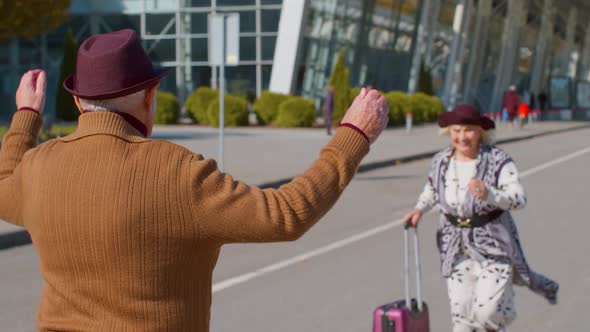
point(404, 315)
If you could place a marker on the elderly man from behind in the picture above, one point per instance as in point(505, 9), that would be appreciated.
point(129, 229)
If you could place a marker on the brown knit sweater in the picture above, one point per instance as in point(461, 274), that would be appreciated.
point(128, 229)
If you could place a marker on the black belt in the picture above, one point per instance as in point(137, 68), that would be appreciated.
point(473, 221)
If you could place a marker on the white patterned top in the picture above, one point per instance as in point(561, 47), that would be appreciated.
point(509, 194)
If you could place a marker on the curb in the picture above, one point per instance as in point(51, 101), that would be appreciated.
point(21, 238)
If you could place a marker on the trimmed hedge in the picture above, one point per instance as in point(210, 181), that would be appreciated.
point(47, 134)
point(197, 104)
point(236, 112)
point(267, 106)
point(353, 93)
point(341, 82)
point(399, 104)
point(167, 109)
point(296, 112)
point(424, 108)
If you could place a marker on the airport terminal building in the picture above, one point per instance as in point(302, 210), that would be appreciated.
point(474, 49)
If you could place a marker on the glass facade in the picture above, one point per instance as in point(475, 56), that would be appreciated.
point(155, 21)
point(379, 37)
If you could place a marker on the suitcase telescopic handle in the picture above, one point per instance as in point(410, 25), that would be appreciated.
point(407, 226)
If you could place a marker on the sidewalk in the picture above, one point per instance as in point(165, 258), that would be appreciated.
point(269, 156)
point(262, 156)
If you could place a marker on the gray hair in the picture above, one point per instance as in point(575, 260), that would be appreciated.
point(121, 104)
point(488, 137)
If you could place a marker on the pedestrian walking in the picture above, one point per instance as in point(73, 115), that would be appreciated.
point(129, 229)
point(475, 185)
point(523, 114)
point(542, 97)
point(510, 102)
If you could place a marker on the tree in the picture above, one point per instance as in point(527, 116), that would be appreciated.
point(341, 83)
point(425, 80)
point(30, 18)
point(65, 107)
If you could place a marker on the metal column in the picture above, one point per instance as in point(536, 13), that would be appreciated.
point(570, 35)
point(477, 48)
point(584, 72)
point(514, 21)
point(432, 30)
point(213, 68)
point(453, 73)
point(178, 45)
point(258, 50)
point(544, 39)
point(419, 47)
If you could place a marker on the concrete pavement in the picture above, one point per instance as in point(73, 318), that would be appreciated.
point(268, 157)
point(337, 290)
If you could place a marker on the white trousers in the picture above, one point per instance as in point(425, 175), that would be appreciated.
point(481, 297)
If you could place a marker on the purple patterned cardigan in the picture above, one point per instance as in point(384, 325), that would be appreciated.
point(497, 240)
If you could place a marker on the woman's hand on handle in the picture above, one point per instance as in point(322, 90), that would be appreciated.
point(413, 217)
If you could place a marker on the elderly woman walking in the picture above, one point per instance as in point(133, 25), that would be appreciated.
point(475, 185)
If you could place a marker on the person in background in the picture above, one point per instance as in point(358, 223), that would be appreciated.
point(542, 100)
point(129, 229)
point(475, 185)
point(510, 102)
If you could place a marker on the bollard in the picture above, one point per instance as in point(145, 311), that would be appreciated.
point(409, 118)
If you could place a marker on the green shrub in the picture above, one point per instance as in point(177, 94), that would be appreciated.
point(236, 112)
point(341, 83)
point(438, 107)
point(267, 106)
point(168, 108)
point(296, 112)
point(65, 108)
point(52, 132)
point(197, 104)
point(353, 93)
point(420, 105)
point(399, 104)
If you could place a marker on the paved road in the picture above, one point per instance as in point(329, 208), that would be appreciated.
point(359, 262)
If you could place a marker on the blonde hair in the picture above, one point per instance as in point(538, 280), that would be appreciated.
point(488, 137)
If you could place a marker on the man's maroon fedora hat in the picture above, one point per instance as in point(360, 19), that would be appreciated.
point(112, 65)
point(465, 115)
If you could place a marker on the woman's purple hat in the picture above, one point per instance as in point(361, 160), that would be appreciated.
point(112, 65)
point(465, 115)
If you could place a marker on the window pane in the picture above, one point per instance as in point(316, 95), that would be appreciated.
point(200, 3)
point(241, 80)
point(199, 49)
point(248, 48)
point(235, 2)
point(201, 76)
point(248, 21)
point(155, 23)
point(118, 22)
point(168, 82)
point(199, 23)
point(271, 2)
point(266, 72)
point(270, 20)
point(268, 47)
point(163, 50)
point(5, 53)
